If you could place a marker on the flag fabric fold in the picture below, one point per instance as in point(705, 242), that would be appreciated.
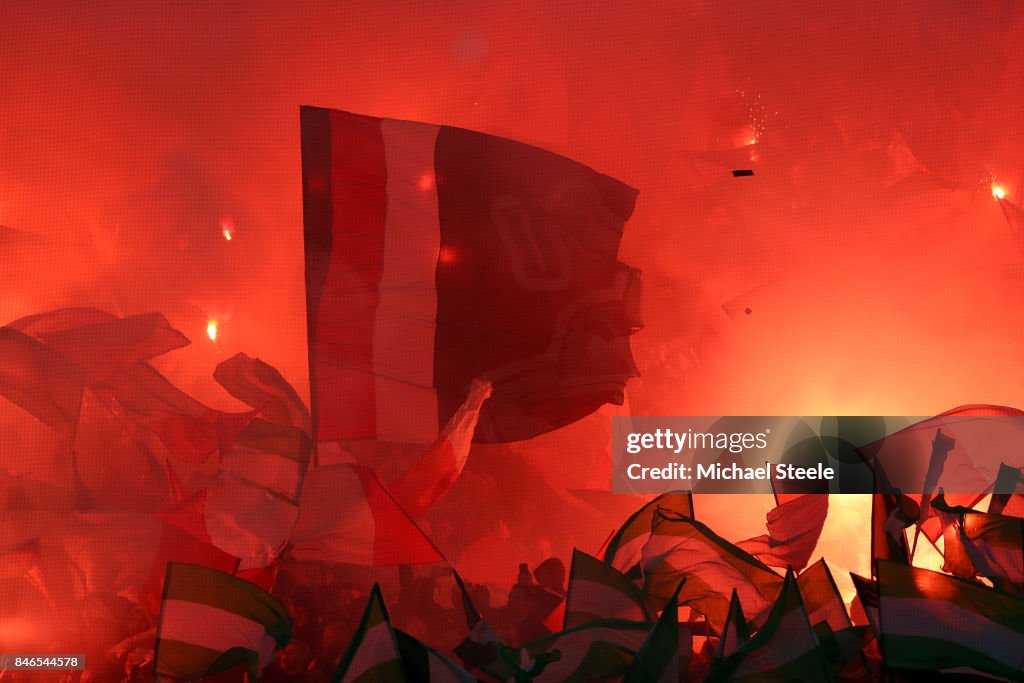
point(188, 429)
point(272, 456)
point(1008, 492)
point(347, 516)
point(624, 550)
point(436, 471)
point(785, 648)
point(665, 651)
point(793, 531)
point(598, 591)
point(821, 597)
point(40, 380)
point(682, 548)
point(983, 544)
point(101, 343)
point(261, 387)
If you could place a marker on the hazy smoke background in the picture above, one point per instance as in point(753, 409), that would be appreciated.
point(879, 273)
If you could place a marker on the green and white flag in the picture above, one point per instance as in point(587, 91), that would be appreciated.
point(424, 663)
point(373, 654)
point(380, 653)
point(679, 547)
point(784, 649)
point(931, 621)
point(625, 548)
point(665, 652)
point(211, 621)
point(736, 632)
point(599, 591)
point(601, 650)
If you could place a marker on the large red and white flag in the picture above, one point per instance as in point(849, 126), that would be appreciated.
point(436, 256)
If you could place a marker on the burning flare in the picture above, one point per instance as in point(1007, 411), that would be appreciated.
point(211, 328)
point(998, 191)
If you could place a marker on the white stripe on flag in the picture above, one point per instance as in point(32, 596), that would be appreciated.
point(403, 337)
point(376, 647)
point(949, 621)
point(213, 628)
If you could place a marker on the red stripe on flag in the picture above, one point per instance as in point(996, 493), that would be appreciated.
point(343, 356)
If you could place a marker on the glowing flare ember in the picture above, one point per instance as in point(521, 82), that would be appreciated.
point(998, 192)
point(227, 228)
point(211, 330)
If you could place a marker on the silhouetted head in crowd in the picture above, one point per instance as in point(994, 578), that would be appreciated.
point(551, 575)
point(294, 658)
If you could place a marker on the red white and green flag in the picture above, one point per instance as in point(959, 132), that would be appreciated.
point(930, 621)
point(211, 621)
point(599, 591)
point(785, 648)
point(665, 653)
point(601, 649)
point(682, 548)
point(736, 631)
point(624, 550)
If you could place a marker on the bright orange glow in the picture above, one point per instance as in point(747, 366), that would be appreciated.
point(211, 330)
point(227, 228)
point(998, 191)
